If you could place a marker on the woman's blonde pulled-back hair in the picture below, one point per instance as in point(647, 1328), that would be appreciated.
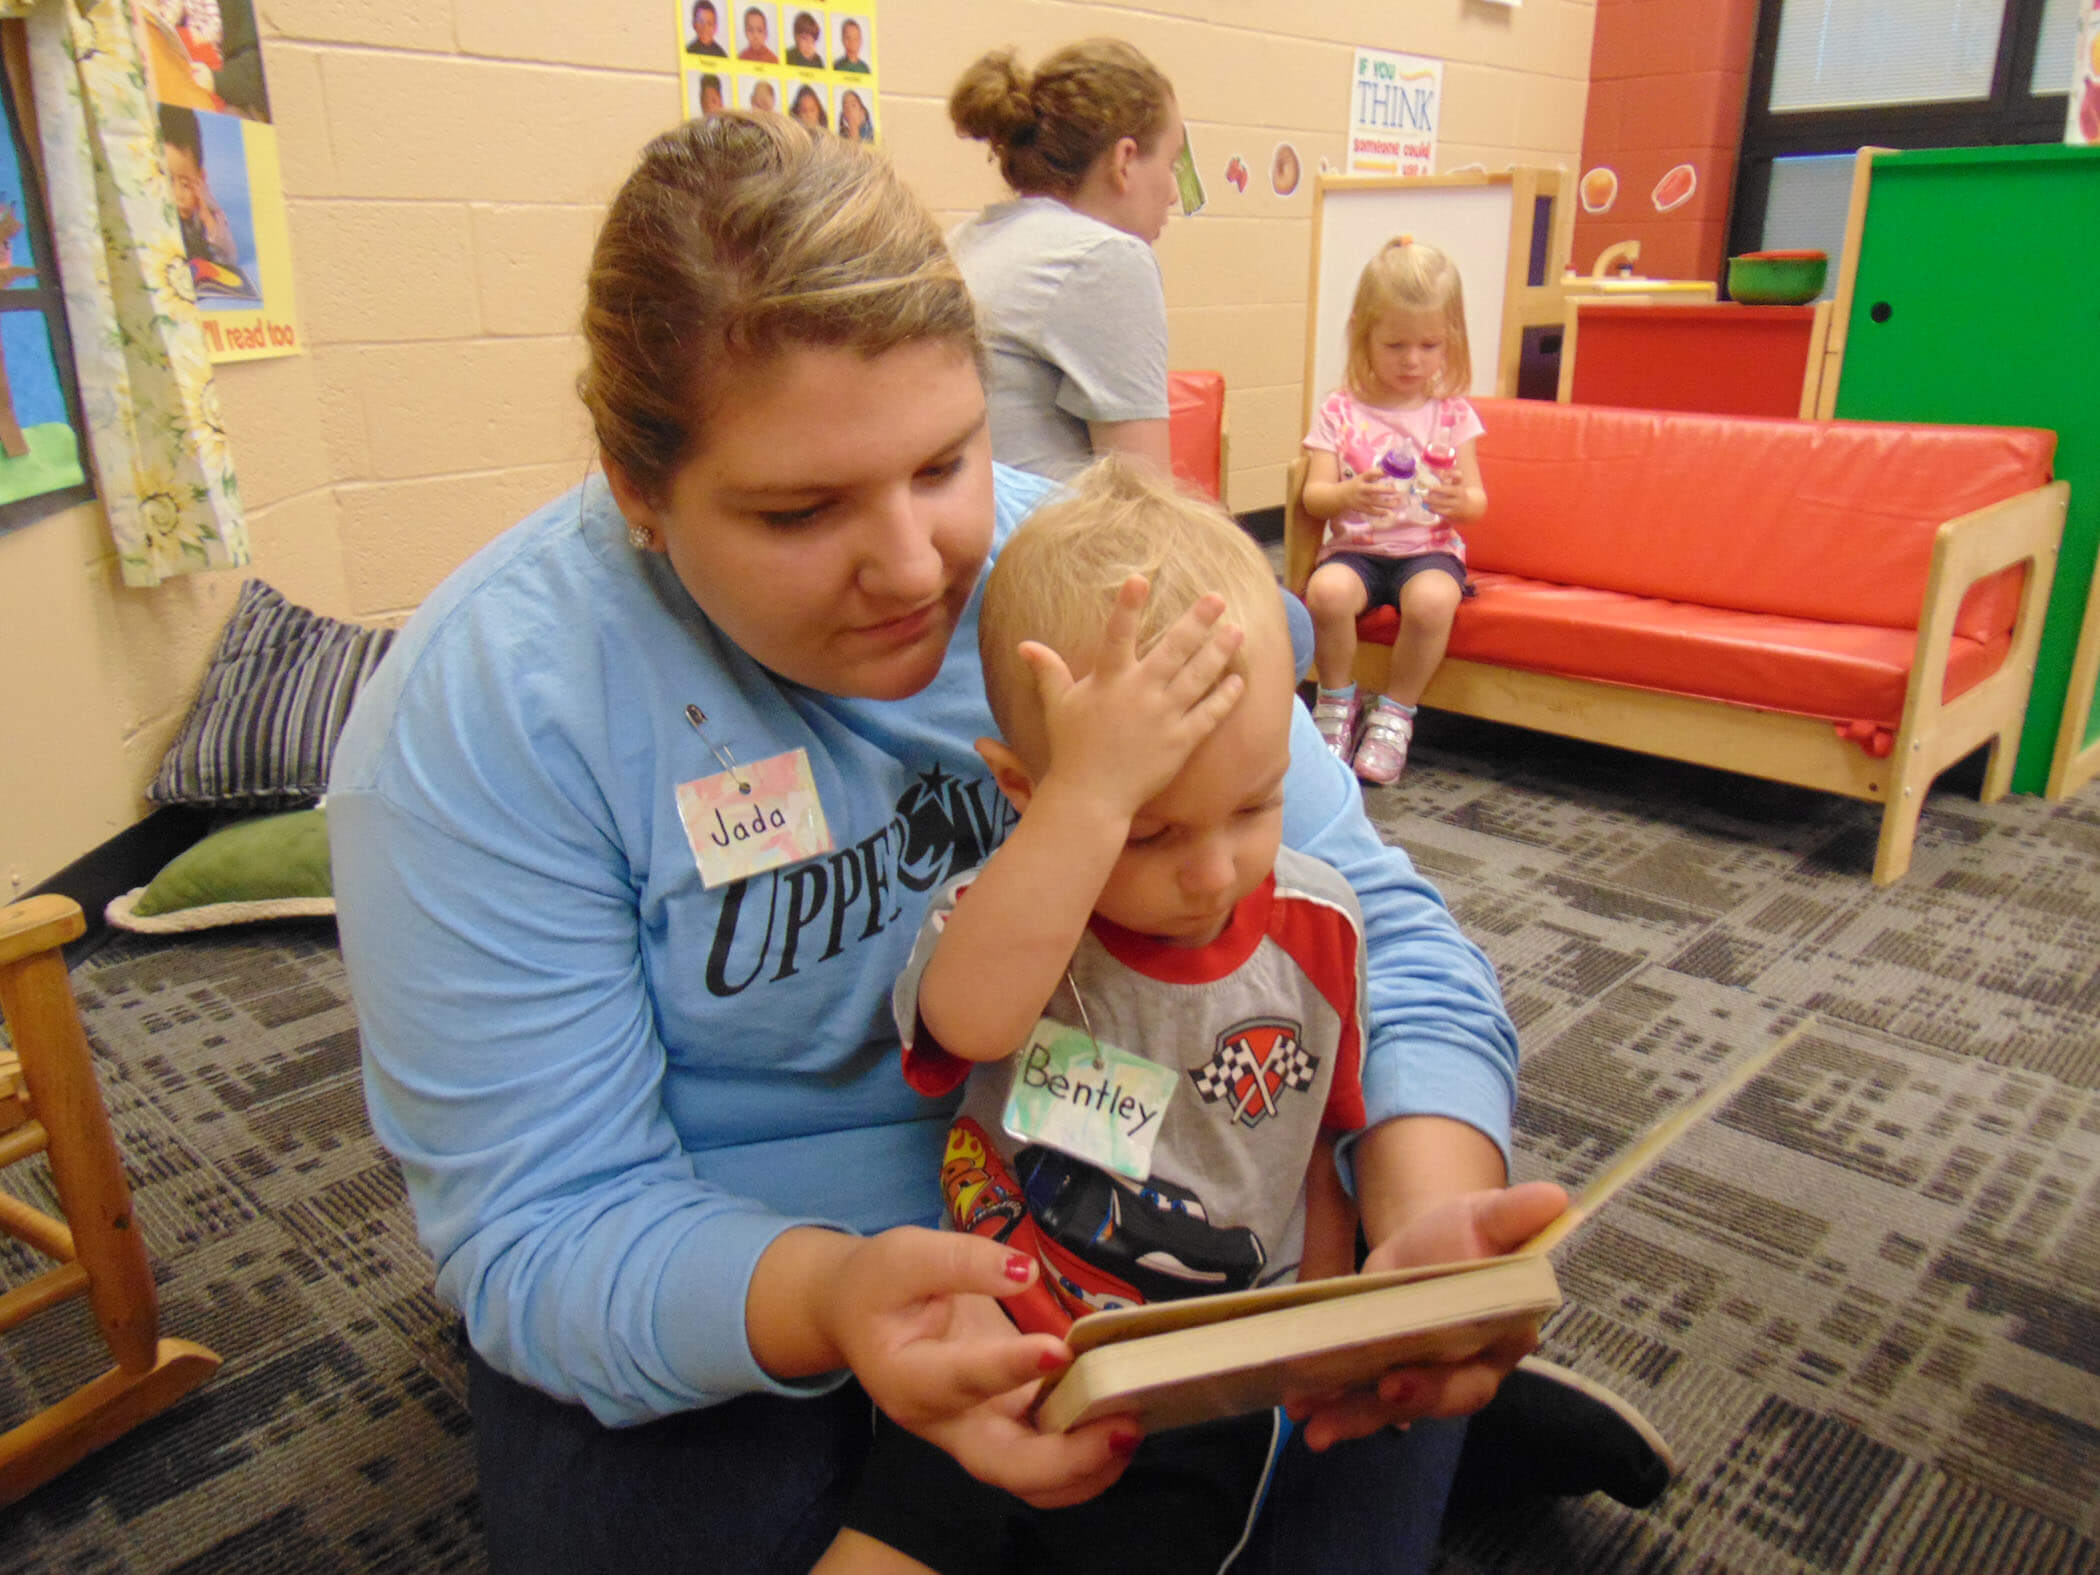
point(1058, 574)
point(1409, 276)
point(1048, 127)
point(738, 236)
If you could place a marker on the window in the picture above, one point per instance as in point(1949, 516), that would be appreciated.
point(1831, 76)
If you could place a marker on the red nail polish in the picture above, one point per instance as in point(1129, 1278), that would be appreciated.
point(1049, 1362)
point(1017, 1267)
point(1124, 1445)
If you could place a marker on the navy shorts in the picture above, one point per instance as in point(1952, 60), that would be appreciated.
point(1383, 577)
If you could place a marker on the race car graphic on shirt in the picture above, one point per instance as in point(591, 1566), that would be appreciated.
point(1103, 1240)
point(983, 1198)
point(1115, 1242)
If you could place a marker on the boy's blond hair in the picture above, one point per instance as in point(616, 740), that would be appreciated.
point(1058, 575)
point(1408, 275)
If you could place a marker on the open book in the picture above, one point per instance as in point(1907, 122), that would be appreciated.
point(1173, 1363)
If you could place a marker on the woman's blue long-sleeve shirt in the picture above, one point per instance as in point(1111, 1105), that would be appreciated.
point(609, 1087)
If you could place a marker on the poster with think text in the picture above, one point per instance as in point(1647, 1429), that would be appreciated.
point(1394, 101)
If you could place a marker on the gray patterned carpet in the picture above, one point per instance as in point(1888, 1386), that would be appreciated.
point(1863, 1301)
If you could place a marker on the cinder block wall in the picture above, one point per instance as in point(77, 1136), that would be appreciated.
point(444, 165)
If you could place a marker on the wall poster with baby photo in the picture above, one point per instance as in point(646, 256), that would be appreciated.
point(818, 63)
point(205, 70)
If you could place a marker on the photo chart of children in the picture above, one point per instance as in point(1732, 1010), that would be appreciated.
point(816, 62)
point(206, 74)
point(39, 447)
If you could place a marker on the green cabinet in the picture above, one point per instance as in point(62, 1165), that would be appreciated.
point(1975, 298)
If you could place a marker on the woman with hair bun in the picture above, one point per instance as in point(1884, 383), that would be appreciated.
point(1074, 314)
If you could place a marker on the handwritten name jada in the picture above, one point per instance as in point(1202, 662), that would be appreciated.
point(763, 822)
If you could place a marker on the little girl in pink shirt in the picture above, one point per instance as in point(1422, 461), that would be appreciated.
point(1392, 470)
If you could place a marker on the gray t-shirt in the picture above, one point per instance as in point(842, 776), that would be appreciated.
point(1264, 1027)
point(1075, 326)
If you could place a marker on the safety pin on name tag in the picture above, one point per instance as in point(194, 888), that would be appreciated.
point(748, 819)
point(1086, 1023)
point(721, 752)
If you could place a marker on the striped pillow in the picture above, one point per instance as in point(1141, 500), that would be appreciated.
point(278, 690)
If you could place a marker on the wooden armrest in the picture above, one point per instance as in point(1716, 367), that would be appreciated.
point(1970, 548)
point(38, 924)
point(1974, 546)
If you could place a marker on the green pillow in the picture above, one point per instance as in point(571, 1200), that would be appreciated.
point(272, 868)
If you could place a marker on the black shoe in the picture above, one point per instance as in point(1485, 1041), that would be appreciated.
point(1551, 1431)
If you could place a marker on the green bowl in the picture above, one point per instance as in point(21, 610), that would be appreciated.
point(1777, 278)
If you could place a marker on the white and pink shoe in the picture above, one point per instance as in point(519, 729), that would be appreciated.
point(1381, 754)
point(1336, 720)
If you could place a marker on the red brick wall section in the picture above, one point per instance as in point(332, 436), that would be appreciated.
point(1667, 84)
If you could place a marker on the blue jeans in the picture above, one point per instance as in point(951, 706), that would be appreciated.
point(759, 1484)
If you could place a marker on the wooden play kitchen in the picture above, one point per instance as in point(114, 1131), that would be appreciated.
point(1721, 357)
point(1967, 294)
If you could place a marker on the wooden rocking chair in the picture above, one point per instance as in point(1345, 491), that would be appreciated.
point(49, 1101)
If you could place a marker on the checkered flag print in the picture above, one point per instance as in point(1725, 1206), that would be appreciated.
point(1252, 1067)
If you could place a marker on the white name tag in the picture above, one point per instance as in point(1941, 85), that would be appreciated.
point(755, 818)
point(1103, 1105)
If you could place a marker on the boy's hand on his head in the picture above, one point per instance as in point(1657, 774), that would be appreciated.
point(1121, 733)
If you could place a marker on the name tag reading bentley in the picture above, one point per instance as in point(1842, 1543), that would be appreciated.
point(1089, 1100)
point(754, 818)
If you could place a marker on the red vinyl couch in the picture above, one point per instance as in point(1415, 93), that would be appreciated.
point(1848, 606)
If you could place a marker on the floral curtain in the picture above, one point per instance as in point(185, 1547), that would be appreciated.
point(154, 425)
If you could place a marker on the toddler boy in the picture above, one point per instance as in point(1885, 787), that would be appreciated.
point(1158, 1008)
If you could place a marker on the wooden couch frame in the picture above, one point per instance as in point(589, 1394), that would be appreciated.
point(2075, 762)
point(1781, 747)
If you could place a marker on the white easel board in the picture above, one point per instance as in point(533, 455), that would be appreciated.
point(1468, 217)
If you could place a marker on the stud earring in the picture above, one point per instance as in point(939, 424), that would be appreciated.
point(640, 537)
